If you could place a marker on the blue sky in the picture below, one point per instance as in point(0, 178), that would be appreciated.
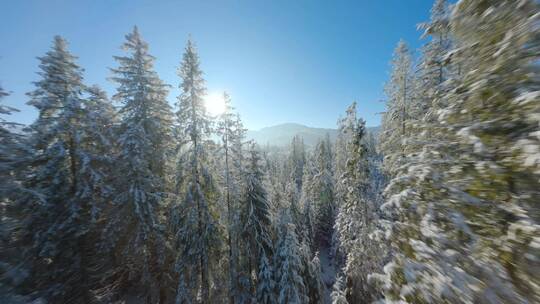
point(281, 61)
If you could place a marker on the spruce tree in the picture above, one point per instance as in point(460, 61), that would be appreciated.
point(338, 292)
point(197, 228)
point(315, 287)
point(462, 207)
point(394, 122)
point(354, 221)
point(226, 129)
point(265, 281)
point(255, 217)
point(323, 185)
point(14, 153)
point(297, 160)
point(134, 229)
point(346, 126)
point(12, 148)
point(288, 263)
point(56, 210)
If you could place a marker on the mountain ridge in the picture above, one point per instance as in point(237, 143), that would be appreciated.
point(282, 134)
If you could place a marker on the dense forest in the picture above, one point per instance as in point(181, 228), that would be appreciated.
point(131, 200)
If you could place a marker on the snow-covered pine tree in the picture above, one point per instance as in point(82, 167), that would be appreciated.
point(7, 140)
point(354, 221)
point(257, 226)
point(13, 155)
point(197, 231)
point(288, 263)
point(494, 185)
point(394, 122)
point(96, 154)
point(314, 284)
point(306, 205)
point(323, 186)
point(457, 237)
point(266, 285)
point(338, 292)
point(346, 126)
point(274, 185)
point(311, 271)
point(133, 229)
point(56, 212)
point(255, 217)
point(297, 160)
point(291, 202)
point(434, 69)
point(13, 150)
point(403, 119)
point(246, 264)
point(426, 138)
point(99, 143)
point(227, 130)
point(344, 138)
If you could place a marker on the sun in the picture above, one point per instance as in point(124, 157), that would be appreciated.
point(215, 104)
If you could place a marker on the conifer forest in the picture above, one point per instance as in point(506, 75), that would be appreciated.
point(132, 197)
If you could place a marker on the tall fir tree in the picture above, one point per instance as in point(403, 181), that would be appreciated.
point(297, 160)
point(398, 108)
point(338, 292)
point(457, 237)
point(197, 230)
point(255, 218)
point(323, 185)
point(9, 145)
point(266, 285)
point(346, 126)
point(354, 221)
point(14, 153)
point(57, 212)
point(288, 263)
point(134, 229)
point(227, 125)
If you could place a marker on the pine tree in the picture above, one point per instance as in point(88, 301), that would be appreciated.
point(56, 211)
point(431, 83)
point(314, 282)
point(255, 217)
point(291, 201)
point(323, 185)
point(346, 126)
point(491, 113)
point(354, 221)
point(456, 235)
point(227, 130)
point(306, 204)
point(346, 131)
point(289, 265)
point(98, 141)
point(297, 160)
point(12, 149)
point(338, 293)
point(265, 281)
point(13, 155)
point(394, 122)
point(197, 229)
point(133, 227)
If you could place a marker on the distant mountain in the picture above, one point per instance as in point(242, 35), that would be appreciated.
point(281, 135)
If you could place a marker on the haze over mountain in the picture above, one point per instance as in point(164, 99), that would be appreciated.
point(282, 134)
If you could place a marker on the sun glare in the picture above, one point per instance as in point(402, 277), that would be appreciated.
point(215, 104)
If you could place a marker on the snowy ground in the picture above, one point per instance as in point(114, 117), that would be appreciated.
point(328, 273)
